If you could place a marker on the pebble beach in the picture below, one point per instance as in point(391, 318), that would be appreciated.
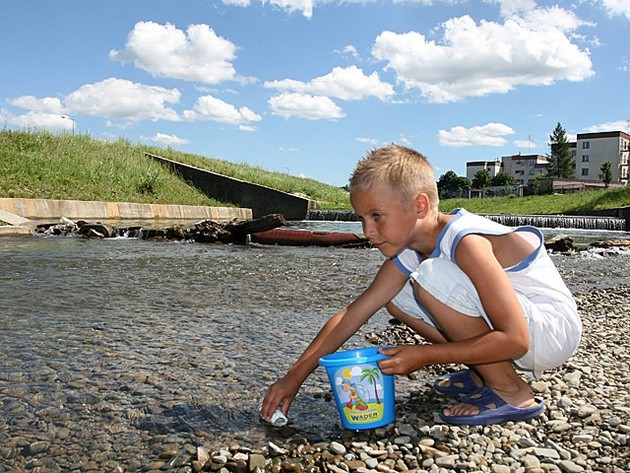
point(585, 425)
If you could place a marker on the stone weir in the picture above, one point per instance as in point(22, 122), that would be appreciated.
point(42, 209)
point(542, 221)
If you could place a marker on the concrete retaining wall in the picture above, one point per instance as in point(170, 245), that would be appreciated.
point(261, 199)
point(40, 209)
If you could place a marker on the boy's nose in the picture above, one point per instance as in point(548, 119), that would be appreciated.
point(368, 230)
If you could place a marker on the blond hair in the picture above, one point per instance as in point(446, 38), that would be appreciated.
point(402, 171)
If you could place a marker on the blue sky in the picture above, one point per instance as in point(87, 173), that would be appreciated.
point(307, 87)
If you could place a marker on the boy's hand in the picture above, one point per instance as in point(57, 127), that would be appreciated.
point(281, 392)
point(403, 359)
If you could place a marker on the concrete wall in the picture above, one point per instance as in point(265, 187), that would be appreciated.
point(262, 200)
point(86, 210)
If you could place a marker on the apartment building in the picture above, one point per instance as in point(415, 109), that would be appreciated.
point(522, 167)
point(473, 167)
point(592, 150)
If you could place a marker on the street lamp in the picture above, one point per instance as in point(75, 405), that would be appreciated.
point(69, 118)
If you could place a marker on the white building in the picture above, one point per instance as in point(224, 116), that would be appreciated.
point(524, 168)
point(473, 167)
point(592, 150)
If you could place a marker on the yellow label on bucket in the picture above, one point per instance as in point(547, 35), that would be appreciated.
point(373, 412)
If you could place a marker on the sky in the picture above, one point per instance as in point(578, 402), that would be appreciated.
point(308, 87)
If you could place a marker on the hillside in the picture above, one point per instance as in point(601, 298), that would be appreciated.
point(42, 165)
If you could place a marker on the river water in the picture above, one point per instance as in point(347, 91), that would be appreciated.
point(130, 345)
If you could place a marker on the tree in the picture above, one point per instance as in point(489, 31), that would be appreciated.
point(451, 185)
point(503, 179)
point(482, 179)
point(372, 374)
point(561, 163)
point(606, 173)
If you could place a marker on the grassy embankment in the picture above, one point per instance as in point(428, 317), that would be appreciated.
point(42, 165)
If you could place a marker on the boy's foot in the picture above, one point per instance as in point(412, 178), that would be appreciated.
point(492, 409)
point(457, 384)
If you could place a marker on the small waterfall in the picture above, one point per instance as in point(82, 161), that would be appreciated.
point(561, 221)
point(332, 215)
point(541, 221)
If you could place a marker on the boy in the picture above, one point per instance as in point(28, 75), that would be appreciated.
point(484, 295)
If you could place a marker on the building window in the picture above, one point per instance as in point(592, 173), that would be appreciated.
point(584, 171)
point(586, 145)
point(585, 158)
point(573, 153)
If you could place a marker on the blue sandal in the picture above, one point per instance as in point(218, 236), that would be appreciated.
point(493, 410)
point(456, 384)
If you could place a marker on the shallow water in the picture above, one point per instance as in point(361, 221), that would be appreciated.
point(178, 341)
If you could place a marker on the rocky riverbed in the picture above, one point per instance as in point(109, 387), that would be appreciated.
point(585, 426)
point(108, 419)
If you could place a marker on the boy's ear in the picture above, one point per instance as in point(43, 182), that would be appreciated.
point(422, 204)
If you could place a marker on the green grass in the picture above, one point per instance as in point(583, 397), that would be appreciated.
point(35, 164)
point(544, 204)
point(40, 165)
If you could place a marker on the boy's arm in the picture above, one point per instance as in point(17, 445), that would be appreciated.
point(339, 328)
point(509, 338)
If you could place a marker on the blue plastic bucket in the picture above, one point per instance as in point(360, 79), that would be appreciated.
point(365, 396)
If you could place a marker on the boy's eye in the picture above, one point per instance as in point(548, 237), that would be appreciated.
point(376, 216)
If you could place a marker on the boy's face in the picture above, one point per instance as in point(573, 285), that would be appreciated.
point(386, 222)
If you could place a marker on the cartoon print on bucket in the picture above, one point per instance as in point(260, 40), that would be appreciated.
point(364, 395)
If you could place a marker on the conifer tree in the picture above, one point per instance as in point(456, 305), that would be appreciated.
point(561, 163)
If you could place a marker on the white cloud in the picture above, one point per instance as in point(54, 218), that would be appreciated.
point(619, 125)
point(237, 3)
point(529, 144)
point(50, 105)
point(120, 99)
point(304, 106)
point(37, 120)
point(348, 50)
point(349, 83)
point(480, 59)
point(368, 141)
point(197, 55)
point(490, 134)
point(303, 6)
point(405, 141)
point(512, 7)
point(617, 7)
point(209, 108)
point(168, 140)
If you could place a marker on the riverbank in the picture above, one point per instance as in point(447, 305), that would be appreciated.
point(585, 426)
